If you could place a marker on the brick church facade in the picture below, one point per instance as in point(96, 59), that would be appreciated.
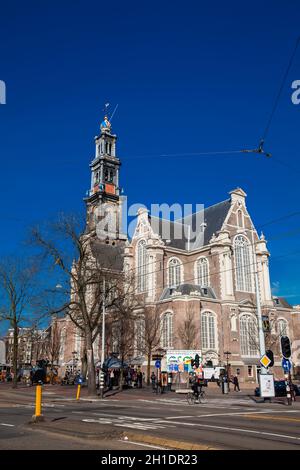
point(206, 279)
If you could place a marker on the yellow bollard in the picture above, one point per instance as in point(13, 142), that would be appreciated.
point(38, 405)
point(38, 400)
point(78, 392)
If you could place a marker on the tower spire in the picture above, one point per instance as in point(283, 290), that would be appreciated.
point(104, 190)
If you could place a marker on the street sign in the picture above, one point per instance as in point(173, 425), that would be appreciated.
point(157, 364)
point(265, 361)
point(156, 357)
point(286, 364)
point(266, 385)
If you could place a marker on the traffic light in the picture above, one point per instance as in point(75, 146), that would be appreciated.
point(197, 360)
point(266, 324)
point(270, 355)
point(285, 346)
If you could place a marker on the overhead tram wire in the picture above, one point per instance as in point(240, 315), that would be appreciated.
point(274, 108)
point(284, 217)
point(220, 272)
point(275, 105)
point(163, 269)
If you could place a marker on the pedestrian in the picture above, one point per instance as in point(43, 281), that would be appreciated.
point(139, 379)
point(153, 380)
point(111, 379)
point(236, 384)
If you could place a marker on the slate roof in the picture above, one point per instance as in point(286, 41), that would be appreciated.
point(186, 289)
point(177, 231)
point(108, 256)
point(281, 302)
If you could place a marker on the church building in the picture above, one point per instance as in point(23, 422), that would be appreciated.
point(204, 279)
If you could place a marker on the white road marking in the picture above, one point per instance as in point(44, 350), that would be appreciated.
point(5, 424)
point(226, 428)
point(140, 444)
point(244, 413)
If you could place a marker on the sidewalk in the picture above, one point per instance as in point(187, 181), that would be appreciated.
point(57, 393)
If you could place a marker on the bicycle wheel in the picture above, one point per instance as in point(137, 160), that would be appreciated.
point(202, 397)
point(190, 398)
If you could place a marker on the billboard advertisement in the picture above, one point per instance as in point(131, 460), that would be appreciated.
point(180, 360)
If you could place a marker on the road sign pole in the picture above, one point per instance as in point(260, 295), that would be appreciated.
point(288, 388)
point(261, 336)
point(101, 381)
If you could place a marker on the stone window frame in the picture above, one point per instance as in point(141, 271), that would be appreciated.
point(252, 354)
point(216, 342)
point(198, 261)
point(169, 316)
point(242, 284)
point(181, 272)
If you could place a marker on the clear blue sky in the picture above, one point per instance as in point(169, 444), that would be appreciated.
point(189, 76)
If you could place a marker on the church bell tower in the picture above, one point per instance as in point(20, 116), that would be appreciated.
point(103, 199)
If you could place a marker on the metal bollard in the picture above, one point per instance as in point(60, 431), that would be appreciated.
point(38, 405)
point(78, 392)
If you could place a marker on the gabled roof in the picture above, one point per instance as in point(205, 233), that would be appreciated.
point(177, 231)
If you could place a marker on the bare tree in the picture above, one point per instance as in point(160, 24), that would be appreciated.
point(81, 282)
point(152, 334)
point(17, 282)
point(124, 303)
point(187, 330)
point(54, 343)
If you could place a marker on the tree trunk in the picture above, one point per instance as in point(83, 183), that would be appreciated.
point(84, 364)
point(92, 391)
point(15, 356)
point(148, 367)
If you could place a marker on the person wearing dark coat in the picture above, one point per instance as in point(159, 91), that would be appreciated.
point(236, 384)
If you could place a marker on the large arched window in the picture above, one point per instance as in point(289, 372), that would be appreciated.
point(141, 266)
point(167, 330)
point(248, 336)
point(202, 273)
point(208, 330)
point(140, 335)
point(282, 327)
point(243, 264)
point(174, 272)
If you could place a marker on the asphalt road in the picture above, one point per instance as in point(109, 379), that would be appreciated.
point(231, 423)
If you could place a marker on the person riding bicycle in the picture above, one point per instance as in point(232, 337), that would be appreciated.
point(197, 387)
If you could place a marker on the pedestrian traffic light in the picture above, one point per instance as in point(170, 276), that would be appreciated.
point(285, 346)
point(270, 355)
point(197, 360)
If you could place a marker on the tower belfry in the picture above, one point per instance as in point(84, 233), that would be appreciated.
point(105, 190)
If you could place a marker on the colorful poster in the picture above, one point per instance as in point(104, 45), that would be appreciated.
point(181, 359)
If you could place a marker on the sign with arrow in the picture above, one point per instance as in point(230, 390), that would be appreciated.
point(286, 365)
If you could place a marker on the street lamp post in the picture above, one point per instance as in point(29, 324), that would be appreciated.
point(261, 336)
point(227, 354)
point(101, 378)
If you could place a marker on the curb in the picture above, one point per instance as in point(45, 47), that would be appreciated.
point(75, 434)
point(161, 441)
